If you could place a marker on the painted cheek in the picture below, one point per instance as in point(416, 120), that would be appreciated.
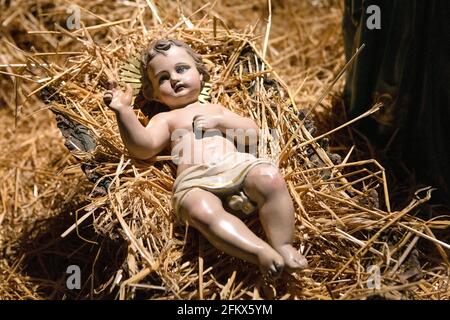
point(193, 79)
point(187, 80)
point(166, 88)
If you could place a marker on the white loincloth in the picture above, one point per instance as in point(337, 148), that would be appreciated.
point(223, 178)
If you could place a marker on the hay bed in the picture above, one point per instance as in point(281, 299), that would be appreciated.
point(339, 225)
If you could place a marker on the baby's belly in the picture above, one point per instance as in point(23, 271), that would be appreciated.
point(189, 150)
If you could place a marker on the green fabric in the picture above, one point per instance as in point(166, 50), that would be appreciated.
point(406, 65)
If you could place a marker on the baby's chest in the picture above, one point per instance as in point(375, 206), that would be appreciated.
point(184, 120)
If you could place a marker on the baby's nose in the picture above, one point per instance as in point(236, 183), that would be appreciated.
point(174, 81)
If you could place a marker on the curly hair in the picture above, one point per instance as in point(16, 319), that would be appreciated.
point(161, 47)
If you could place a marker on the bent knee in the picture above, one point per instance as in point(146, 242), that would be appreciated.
point(265, 179)
point(199, 209)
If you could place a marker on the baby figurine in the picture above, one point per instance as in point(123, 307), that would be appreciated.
point(209, 166)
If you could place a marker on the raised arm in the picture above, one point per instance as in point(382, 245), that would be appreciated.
point(142, 142)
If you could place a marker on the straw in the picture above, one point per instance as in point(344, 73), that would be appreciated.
point(127, 240)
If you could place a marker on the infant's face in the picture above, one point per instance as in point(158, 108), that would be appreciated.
point(175, 79)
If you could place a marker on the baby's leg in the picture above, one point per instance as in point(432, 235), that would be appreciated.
point(204, 211)
point(265, 185)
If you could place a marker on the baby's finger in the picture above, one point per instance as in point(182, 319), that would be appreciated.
point(197, 126)
point(200, 119)
point(107, 97)
point(194, 121)
point(198, 116)
point(111, 84)
point(129, 90)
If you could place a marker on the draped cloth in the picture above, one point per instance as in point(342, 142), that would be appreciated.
point(224, 178)
point(406, 65)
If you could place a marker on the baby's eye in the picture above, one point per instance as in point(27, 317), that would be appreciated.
point(181, 69)
point(163, 78)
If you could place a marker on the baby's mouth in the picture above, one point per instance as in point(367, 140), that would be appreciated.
point(178, 87)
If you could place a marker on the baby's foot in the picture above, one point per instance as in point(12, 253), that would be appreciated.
point(293, 259)
point(270, 262)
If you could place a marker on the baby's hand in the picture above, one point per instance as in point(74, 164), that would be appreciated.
point(117, 99)
point(205, 121)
